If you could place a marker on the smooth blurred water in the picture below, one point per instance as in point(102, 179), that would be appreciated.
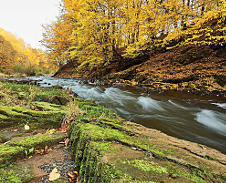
point(194, 118)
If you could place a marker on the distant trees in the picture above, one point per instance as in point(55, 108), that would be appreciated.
point(7, 52)
point(16, 54)
point(94, 31)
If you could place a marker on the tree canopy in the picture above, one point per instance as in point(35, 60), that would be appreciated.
point(100, 31)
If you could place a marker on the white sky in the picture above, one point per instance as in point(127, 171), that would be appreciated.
point(24, 18)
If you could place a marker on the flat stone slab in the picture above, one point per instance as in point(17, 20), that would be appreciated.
point(116, 150)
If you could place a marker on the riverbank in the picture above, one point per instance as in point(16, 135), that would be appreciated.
point(103, 146)
point(193, 69)
point(175, 113)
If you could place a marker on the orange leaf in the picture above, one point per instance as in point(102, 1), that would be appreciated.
point(63, 126)
point(46, 148)
point(71, 175)
point(67, 142)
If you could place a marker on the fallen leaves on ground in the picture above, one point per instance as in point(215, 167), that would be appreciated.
point(43, 151)
point(73, 177)
point(54, 175)
point(63, 128)
point(50, 131)
point(65, 142)
point(32, 107)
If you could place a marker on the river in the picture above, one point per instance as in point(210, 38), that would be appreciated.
point(195, 118)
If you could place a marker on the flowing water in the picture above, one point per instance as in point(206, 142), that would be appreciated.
point(195, 118)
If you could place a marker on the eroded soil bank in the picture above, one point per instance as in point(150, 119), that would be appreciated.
point(103, 146)
point(194, 69)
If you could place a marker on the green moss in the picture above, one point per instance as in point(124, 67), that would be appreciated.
point(3, 116)
point(85, 154)
point(114, 123)
point(45, 106)
point(15, 174)
point(104, 134)
point(6, 150)
point(17, 147)
point(36, 113)
point(176, 173)
point(8, 111)
point(61, 180)
point(9, 153)
point(147, 166)
point(99, 133)
point(37, 141)
point(96, 110)
point(89, 141)
point(104, 146)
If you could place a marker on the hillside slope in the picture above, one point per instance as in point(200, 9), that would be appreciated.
point(191, 68)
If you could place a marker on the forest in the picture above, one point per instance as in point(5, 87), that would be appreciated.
point(16, 56)
point(95, 32)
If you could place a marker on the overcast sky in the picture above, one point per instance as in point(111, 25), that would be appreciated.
point(24, 18)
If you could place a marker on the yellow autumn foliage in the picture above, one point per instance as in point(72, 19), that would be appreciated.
point(23, 54)
point(97, 32)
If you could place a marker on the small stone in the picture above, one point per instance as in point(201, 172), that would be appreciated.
point(26, 127)
point(134, 148)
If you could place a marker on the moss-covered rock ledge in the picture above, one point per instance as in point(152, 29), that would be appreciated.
point(38, 110)
point(105, 148)
point(109, 149)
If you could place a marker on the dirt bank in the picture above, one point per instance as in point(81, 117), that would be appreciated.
point(190, 68)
